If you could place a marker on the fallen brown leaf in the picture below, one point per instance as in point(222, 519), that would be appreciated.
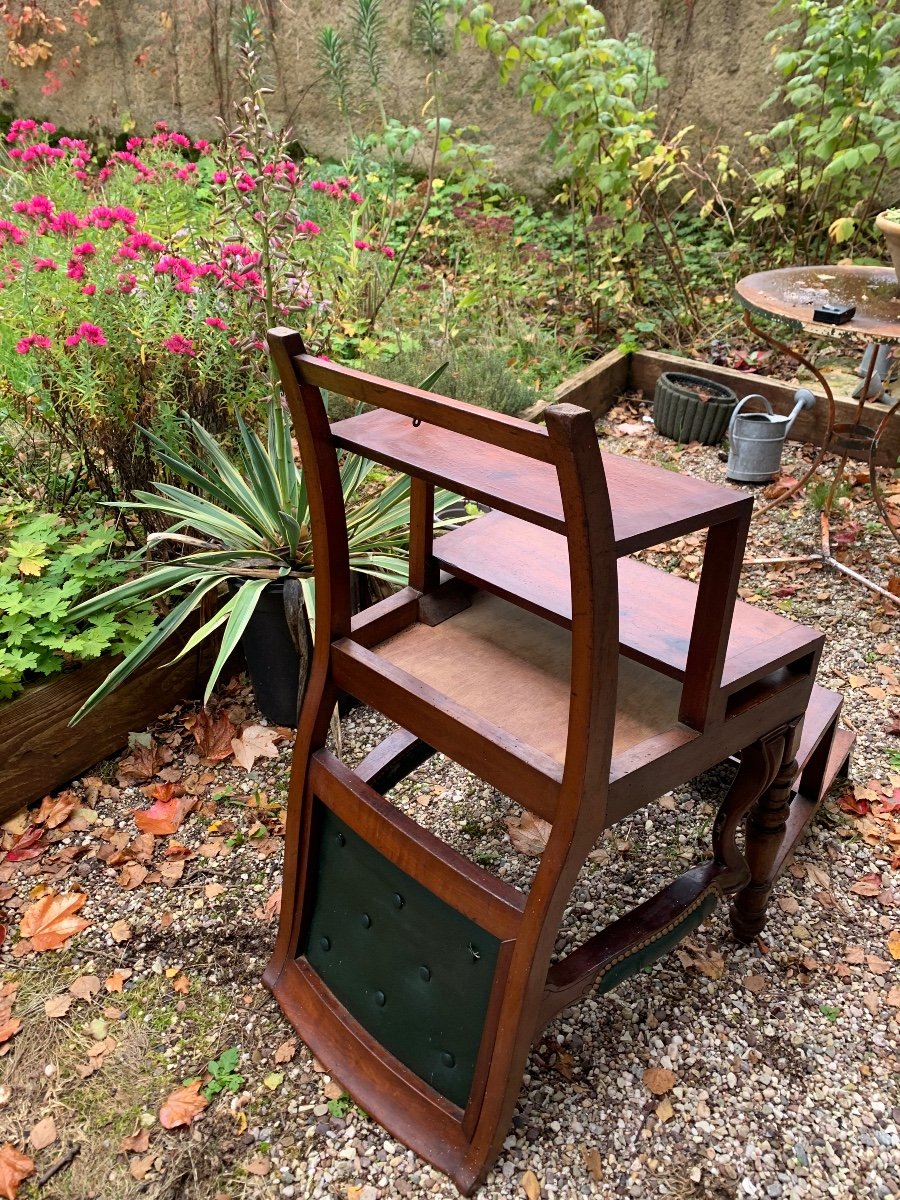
point(135, 1143)
point(530, 1185)
point(255, 741)
point(43, 1134)
point(138, 1167)
point(259, 1165)
point(893, 944)
point(58, 1006)
point(182, 1105)
point(51, 922)
point(143, 763)
point(56, 809)
point(163, 817)
point(212, 734)
point(528, 833)
point(285, 1051)
point(131, 876)
point(120, 931)
point(14, 1168)
point(593, 1162)
point(85, 987)
point(659, 1080)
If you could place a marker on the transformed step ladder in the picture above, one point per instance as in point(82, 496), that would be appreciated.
point(529, 648)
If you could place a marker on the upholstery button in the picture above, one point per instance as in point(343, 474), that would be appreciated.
point(448, 1059)
point(398, 900)
point(365, 920)
point(380, 999)
point(425, 973)
point(325, 943)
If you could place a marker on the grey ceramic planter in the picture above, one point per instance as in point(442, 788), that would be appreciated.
point(683, 415)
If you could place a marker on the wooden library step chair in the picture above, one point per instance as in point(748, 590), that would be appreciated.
point(581, 691)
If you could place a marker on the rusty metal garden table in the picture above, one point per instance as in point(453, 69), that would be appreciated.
point(791, 295)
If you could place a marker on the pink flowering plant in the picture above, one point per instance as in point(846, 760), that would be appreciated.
point(136, 290)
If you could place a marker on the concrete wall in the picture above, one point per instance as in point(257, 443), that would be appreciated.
point(152, 60)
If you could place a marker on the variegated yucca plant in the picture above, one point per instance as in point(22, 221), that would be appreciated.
point(246, 519)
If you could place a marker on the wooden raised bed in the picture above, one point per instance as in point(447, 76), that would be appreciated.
point(601, 383)
point(38, 750)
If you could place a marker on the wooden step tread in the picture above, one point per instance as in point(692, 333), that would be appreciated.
point(529, 566)
point(529, 488)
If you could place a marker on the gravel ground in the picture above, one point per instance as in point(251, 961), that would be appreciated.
point(784, 1053)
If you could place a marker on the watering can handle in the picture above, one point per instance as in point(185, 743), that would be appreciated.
point(740, 404)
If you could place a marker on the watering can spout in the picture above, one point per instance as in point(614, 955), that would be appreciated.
point(803, 398)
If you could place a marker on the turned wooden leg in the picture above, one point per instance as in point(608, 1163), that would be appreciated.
point(765, 833)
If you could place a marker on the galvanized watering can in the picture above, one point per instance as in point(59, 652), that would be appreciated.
point(756, 439)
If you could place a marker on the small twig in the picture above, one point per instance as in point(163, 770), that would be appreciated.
point(59, 1165)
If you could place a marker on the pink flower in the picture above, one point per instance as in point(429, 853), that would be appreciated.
point(214, 322)
point(89, 289)
point(33, 339)
point(356, 197)
point(220, 177)
point(75, 269)
point(20, 128)
point(388, 252)
point(245, 182)
point(180, 140)
point(310, 228)
point(48, 127)
point(202, 146)
point(134, 144)
point(343, 182)
point(92, 334)
point(127, 283)
point(11, 232)
point(179, 345)
point(361, 245)
point(44, 264)
point(65, 222)
point(84, 249)
point(319, 185)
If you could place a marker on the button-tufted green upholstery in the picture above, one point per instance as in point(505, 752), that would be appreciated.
point(411, 969)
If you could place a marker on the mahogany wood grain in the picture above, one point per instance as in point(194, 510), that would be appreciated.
point(529, 566)
point(528, 488)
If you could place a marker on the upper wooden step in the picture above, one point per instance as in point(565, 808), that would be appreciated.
point(524, 487)
point(530, 567)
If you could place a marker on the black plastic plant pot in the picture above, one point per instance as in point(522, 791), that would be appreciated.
point(273, 663)
point(688, 408)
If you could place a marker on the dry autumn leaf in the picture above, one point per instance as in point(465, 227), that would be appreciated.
point(166, 814)
point(143, 763)
point(56, 809)
point(259, 1165)
point(182, 1106)
point(52, 921)
point(664, 1110)
point(531, 1185)
point(14, 1168)
point(135, 1143)
point(255, 741)
point(43, 1134)
point(85, 987)
point(893, 944)
point(528, 833)
point(285, 1051)
point(593, 1162)
point(659, 1080)
point(138, 1167)
point(120, 931)
point(58, 1006)
point(212, 734)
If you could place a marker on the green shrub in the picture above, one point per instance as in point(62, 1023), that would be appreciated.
point(47, 565)
point(477, 374)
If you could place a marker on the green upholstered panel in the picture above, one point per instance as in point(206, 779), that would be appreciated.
point(645, 955)
point(412, 970)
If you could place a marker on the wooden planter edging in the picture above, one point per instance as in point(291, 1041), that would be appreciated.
point(599, 385)
point(38, 750)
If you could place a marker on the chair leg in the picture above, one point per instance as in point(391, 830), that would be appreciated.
point(766, 827)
